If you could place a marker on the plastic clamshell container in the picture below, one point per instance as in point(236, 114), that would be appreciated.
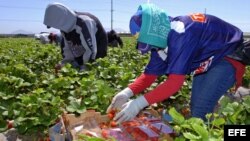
point(160, 128)
point(142, 133)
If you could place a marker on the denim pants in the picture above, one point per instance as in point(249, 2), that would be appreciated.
point(207, 88)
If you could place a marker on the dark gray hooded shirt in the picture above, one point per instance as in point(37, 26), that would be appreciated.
point(78, 32)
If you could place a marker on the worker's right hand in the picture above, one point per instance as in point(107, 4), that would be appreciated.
point(58, 67)
point(241, 91)
point(120, 99)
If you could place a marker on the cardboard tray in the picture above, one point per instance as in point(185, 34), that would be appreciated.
point(88, 123)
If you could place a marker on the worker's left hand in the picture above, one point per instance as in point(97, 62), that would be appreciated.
point(131, 109)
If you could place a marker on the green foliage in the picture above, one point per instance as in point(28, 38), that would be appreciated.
point(235, 112)
point(34, 96)
point(230, 112)
point(88, 138)
point(195, 128)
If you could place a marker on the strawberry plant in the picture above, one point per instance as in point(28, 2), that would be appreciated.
point(33, 95)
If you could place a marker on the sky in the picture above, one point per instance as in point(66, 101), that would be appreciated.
point(28, 15)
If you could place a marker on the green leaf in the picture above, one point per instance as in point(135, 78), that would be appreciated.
point(70, 108)
point(218, 122)
point(2, 108)
point(177, 117)
point(186, 126)
point(215, 139)
point(246, 103)
point(195, 120)
point(81, 110)
point(217, 132)
point(191, 136)
point(88, 138)
point(201, 130)
point(3, 126)
point(87, 101)
point(7, 97)
point(181, 138)
point(93, 97)
point(5, 113)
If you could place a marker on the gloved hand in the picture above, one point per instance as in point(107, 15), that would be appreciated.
point(131, 109)
point(119, 99)
point(241, 91)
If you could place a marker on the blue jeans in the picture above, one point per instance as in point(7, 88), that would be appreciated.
point(207, 88)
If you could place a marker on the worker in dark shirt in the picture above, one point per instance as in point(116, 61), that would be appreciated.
point(55, 38)
point(83, 36)
point(114, 40)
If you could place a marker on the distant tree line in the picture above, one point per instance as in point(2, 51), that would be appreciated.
point(16, 35)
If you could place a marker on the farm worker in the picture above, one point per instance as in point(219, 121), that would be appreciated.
point(114, 40)
point(55, 38)
point(44, 39)
point(84, 38)
point(197, 45)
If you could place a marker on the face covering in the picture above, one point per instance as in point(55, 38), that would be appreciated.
point(143, 48)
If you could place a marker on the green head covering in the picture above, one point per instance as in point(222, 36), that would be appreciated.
point(155, 26)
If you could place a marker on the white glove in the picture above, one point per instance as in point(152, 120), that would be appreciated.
point(241, 91)
point(120, 99)
point(131, 109)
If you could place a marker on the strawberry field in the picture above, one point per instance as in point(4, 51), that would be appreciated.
point(33, 95)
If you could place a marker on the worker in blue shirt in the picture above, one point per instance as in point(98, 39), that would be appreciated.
point(196, 44)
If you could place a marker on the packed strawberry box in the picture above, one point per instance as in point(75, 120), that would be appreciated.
point(140, 129)
point(146, 126)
